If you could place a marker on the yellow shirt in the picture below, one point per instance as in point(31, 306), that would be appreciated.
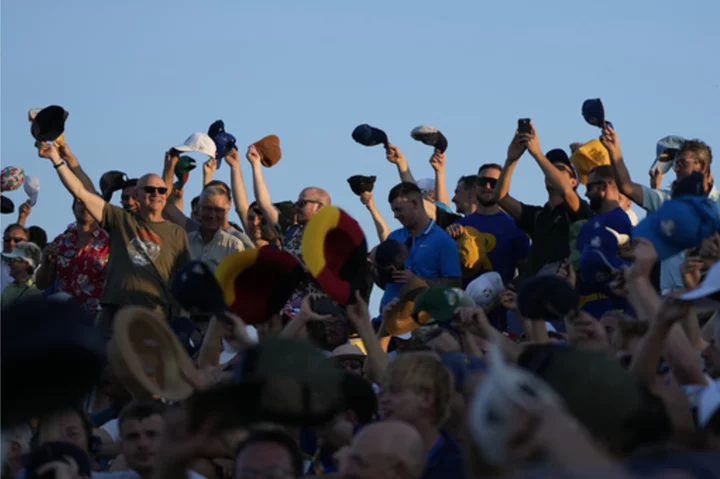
point(18, 291)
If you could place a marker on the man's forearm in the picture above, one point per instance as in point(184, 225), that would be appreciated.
point(502, 189)
point(262, 195)
point(239, 195)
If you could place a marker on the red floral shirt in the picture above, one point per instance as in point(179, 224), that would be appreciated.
point(81, 273)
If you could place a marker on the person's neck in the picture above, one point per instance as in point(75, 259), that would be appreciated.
point(85, 227)
point(473, 208)
point(488, 210)
point(152, 216)
point(21, 278)
point(420, 226)
point(207, 235)
point(607, 206)
point(429, 434)
point(555, 201)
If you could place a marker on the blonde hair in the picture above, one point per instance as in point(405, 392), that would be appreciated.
point(425, 372)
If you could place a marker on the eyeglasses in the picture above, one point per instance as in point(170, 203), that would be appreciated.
point(155, 189)
point(486, 182)
point(14, 239)
point(684, 161)
point(592, 185)
point(213, 209)
point(302, 203)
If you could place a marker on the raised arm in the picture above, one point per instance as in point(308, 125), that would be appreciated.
point(171, 160)
point(262, 195)
point(396, 157)
point(502, 189)
point(559, 181)
point(622, 176)
point(93, 203)
point(382, 228)
point(209, 168)
point(437, 161)
point(237, 185)
point(75, 167)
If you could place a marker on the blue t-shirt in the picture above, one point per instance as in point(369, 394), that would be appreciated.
point(432, 254)
point(505, 244)
point(594, 302)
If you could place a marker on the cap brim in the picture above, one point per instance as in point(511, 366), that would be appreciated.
point(183, 148)
point(663, 166)
point(645, 230)
point(404, 336)
point(700, 293)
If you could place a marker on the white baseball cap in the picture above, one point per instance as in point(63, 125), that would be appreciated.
point(199, 142)
point(708, 404)
point(26, 251)
point(491, 409)
point(32, 188)
point(709, 286)
point(485, 289)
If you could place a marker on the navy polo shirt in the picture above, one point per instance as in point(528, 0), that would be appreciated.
point(432, 254)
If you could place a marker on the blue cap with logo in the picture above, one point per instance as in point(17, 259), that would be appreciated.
point(681, 223)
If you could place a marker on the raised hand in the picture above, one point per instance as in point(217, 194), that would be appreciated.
point(611, 142)
point(253, 155)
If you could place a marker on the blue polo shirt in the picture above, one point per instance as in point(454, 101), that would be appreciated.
point(432, 254)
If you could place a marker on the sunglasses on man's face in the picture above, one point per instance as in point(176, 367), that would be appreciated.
point(213, 210)
point(485, 182)
point(161, 190)
point(302, 203)
point(14, 239)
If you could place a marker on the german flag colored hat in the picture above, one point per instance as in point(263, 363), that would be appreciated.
point(334, 250)
point(257, 283)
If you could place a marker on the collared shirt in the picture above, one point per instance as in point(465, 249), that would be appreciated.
point(432, 254)
point(221, 245)
point(15, 292)
point(244, 239)
point(670, 277)
point(81, 272)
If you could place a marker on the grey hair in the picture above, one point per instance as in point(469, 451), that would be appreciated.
point(212, 191)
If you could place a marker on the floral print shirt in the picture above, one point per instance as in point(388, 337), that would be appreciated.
point(81, 272)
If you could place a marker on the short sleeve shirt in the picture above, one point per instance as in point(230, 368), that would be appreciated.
point(81, 272)
point(549, 230)
point(432, 254)
point(212, 253)
point(144, 256)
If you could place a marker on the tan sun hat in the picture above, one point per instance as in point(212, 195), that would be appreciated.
point(147, 356)
point(347, 351)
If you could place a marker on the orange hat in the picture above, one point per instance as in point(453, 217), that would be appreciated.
point(399, 320)
point(269, 149)
point(334, 250)
point(257, 283)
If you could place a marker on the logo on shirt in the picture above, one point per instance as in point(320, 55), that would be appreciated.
point(485, 243)
point(144, 248)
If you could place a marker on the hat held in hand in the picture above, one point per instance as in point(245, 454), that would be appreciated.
point(679, 224)
point(7, 205)
point(430, 136)
point(48, 124)
point(110, 182)
point(256, 283)
point(224, 142)
point(269, 149)
point(587, 157)
point(11, 178)
point(32, 188)
point(198, 291)
point(546, 298)
point(665, 152)
point(199, 142)
point(368, 135)
point(360, 184)
point(281, 380)
point(335, 252)
point(399, 319)
point(485, 289)
point(147, 356)
point(183, 168)
point(594, 112)
point(438, 305)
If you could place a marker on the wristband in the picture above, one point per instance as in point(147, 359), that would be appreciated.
point(58, 165)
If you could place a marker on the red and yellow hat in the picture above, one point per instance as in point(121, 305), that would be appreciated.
point(256, 283)
point(334, 250)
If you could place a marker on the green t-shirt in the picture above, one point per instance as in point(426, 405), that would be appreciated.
point(15, 292)
point(144, 257)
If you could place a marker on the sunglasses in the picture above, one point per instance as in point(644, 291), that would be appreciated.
point(487, 182)
point(592, 185)
point(213, 209)
point(302, 203)
point(155, 189)
point(13, 239)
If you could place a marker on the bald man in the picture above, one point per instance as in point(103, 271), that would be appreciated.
point(390, 449)
point(145, 250)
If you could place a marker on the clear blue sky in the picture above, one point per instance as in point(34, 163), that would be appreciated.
point(140, 76)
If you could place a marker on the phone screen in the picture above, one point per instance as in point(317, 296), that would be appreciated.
point(524, 125)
